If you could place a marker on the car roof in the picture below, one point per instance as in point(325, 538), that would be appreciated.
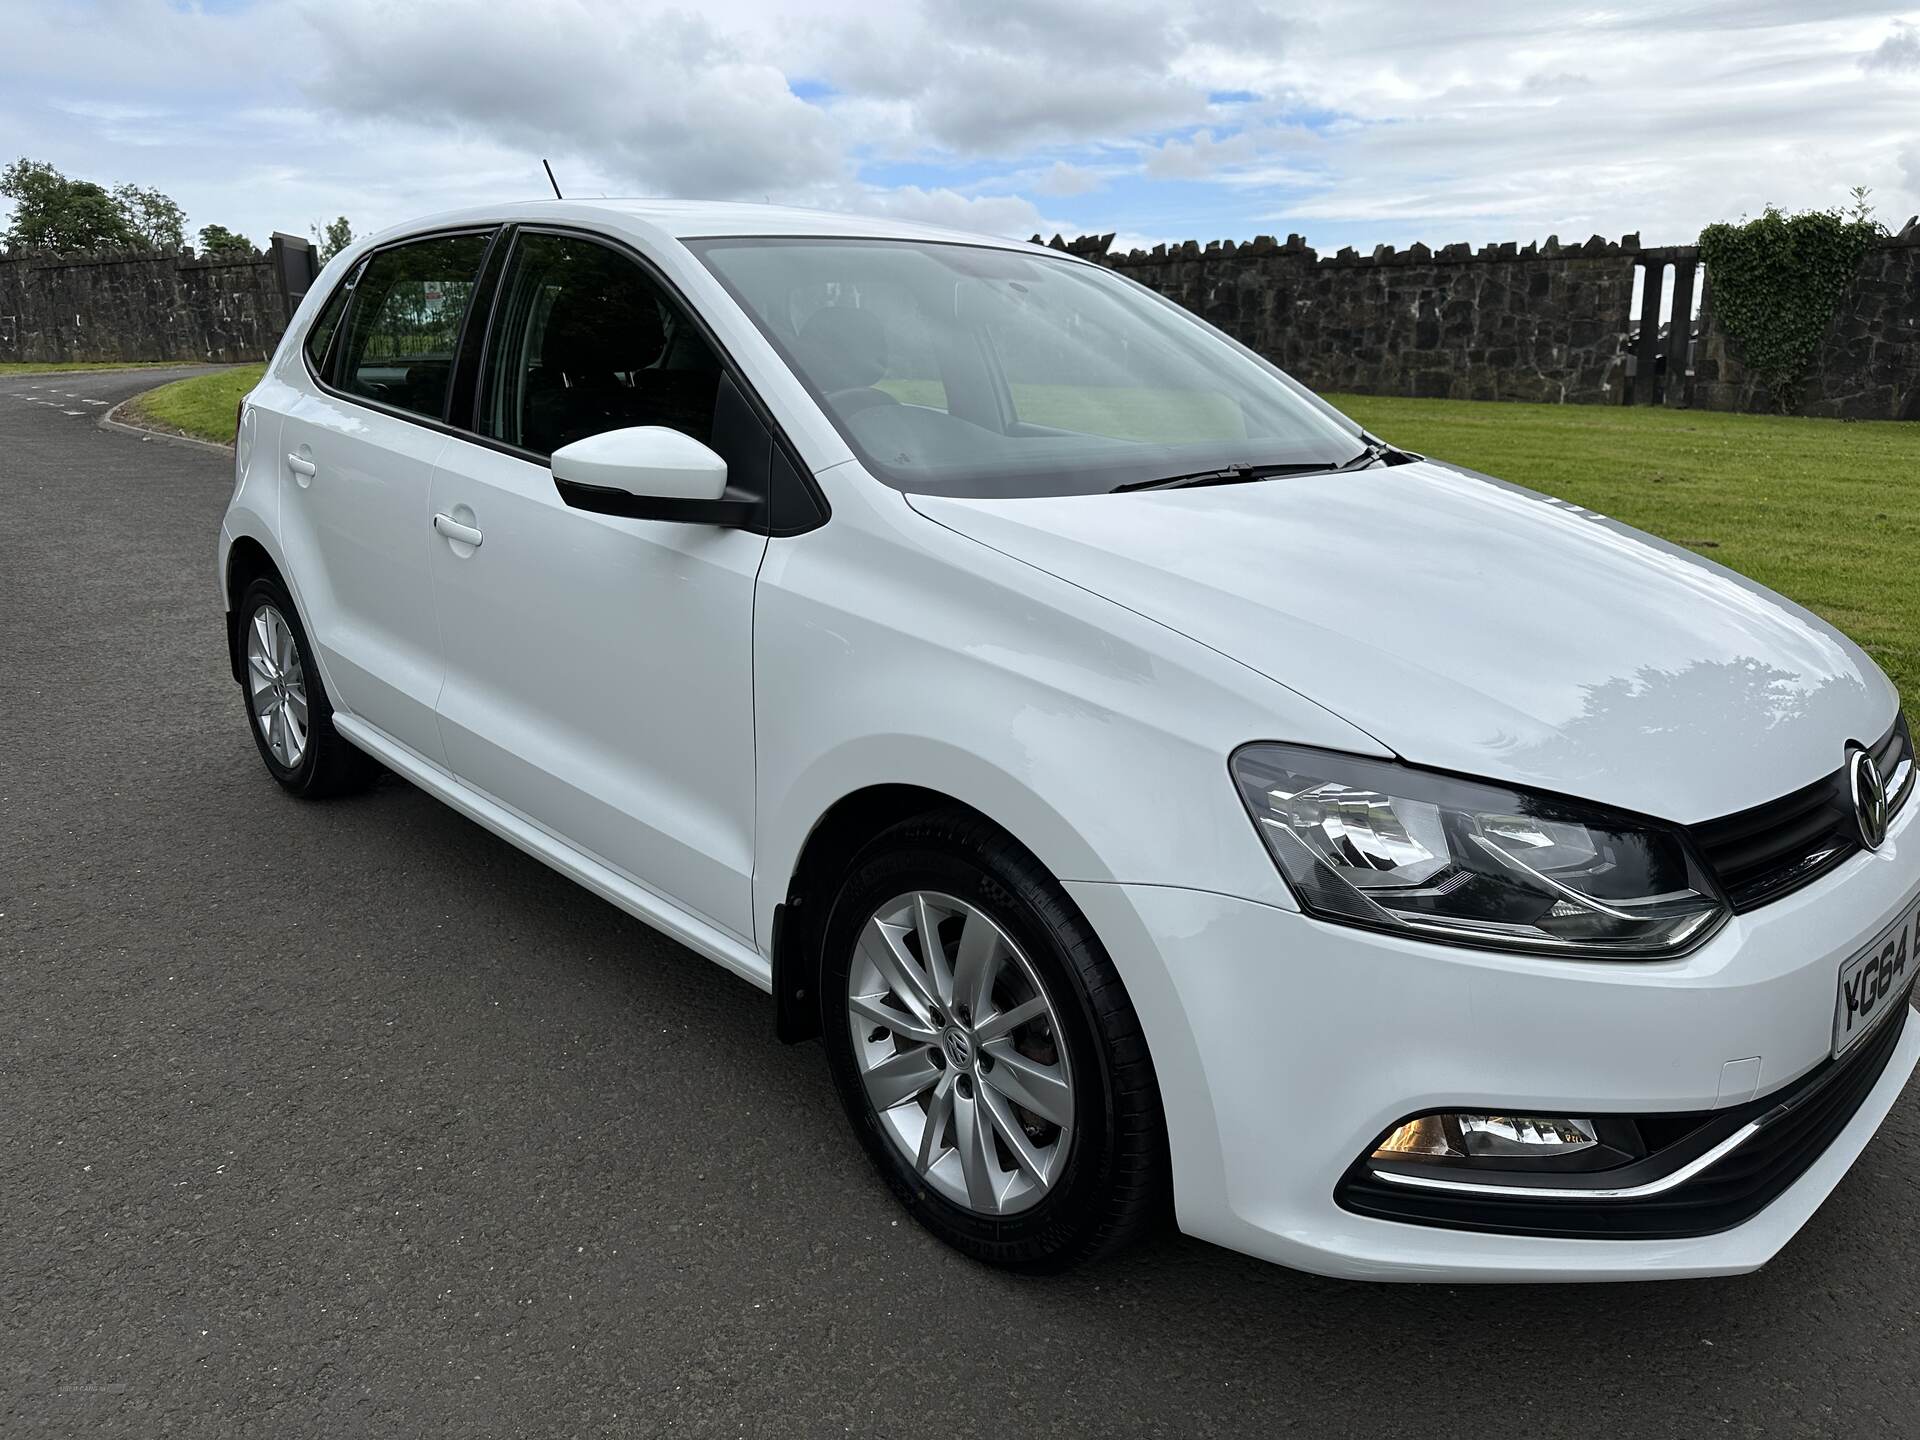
point(687, 219)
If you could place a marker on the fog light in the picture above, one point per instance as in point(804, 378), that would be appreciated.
point(1474, 1136)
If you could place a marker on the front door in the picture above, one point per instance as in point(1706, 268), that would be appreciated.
point(356, 471)
point(599, 669)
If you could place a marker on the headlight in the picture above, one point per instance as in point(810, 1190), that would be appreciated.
point(1370, 842)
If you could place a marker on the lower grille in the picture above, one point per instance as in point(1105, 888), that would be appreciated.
point(1796, 1125)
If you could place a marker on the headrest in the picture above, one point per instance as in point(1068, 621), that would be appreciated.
point(599, 330)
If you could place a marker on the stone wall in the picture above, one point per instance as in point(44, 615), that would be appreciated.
point(1868, 364)
point(1546, 322)
point(151, 306)
point(1542, 323)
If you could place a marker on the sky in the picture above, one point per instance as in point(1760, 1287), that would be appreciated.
point(1355, 123)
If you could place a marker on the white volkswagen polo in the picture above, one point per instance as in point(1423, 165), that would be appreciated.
point(1146, 784)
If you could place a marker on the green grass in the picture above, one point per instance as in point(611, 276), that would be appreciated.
point(1824, 511)
point(55, 367)
point(202, 406)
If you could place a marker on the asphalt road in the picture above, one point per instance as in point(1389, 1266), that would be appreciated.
point(348, 1119)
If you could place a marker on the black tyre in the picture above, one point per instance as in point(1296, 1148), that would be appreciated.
point(287, 707)
point(1003, 1090)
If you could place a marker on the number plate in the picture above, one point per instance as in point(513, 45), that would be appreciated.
point(1876, 982)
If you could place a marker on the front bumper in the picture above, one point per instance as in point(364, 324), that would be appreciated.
point(1285, 1046)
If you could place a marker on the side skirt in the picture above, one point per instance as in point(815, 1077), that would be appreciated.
point(604, 881)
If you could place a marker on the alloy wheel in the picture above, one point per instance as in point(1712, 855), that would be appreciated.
point(961, 1053)
point(277, 686)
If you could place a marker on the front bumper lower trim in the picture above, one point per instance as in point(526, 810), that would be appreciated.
point(1718, 1169)
point(1665, 1183)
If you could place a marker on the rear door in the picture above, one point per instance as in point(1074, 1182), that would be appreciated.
point(357, 454)
point(599, 668)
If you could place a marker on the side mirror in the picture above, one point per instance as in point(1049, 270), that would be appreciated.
point(648, 472)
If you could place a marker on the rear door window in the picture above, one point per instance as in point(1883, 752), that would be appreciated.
point(404, 325)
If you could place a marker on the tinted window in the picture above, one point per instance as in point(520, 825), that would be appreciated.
point(405, 322)
point(329, 321)
point(967, 370)
point(584, 341)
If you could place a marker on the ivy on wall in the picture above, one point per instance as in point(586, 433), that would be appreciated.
point(1776, 282)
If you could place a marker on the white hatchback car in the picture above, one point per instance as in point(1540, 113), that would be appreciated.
point(1143, 781)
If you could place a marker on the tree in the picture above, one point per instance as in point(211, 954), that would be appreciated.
point(58, 215)
point(65, 217)
point(152, 217)
point(218, 240)
point(331, 240)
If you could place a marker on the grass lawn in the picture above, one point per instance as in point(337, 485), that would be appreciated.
point(202, 406)
point(1825, 511)
point(55, 367)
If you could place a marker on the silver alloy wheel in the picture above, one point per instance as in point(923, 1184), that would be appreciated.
point(277, 685)
point(961, 1052)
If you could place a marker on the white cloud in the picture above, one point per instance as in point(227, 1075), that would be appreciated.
point(671, 102)
point(1373, 120)
point(1208, 155)
point(983, 214)
point(1199, 157)
point(1899, 51)
point(1510, 122)
point(1061, 178)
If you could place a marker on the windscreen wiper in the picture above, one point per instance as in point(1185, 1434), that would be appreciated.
point(1374, 452)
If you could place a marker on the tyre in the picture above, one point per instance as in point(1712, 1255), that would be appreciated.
point(287, 707)
point(986, 1051)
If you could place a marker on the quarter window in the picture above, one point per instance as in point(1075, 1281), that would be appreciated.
point(585, 341)
point(405, 322)
point(321, 333)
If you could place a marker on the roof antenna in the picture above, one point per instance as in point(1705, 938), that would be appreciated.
point(551, 181)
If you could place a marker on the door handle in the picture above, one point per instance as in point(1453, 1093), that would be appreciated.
point(301, 467)
point(454, 530)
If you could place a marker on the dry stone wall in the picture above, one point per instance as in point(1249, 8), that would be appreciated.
point(122, 306)
point(1542, 322)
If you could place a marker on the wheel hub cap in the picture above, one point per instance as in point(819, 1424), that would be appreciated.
point(959, 1048)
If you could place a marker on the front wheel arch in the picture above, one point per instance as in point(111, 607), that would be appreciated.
point(846, 828)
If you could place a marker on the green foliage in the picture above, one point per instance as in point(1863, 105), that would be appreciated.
point(332, 239)
point(54, 214)
point(65, 217)
point(156, 222)
point(1775, 282)
point(218, 240)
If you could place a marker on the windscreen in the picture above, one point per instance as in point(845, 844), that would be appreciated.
point(972, 371)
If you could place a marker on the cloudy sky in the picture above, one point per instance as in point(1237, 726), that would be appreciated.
point(1358, 122)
